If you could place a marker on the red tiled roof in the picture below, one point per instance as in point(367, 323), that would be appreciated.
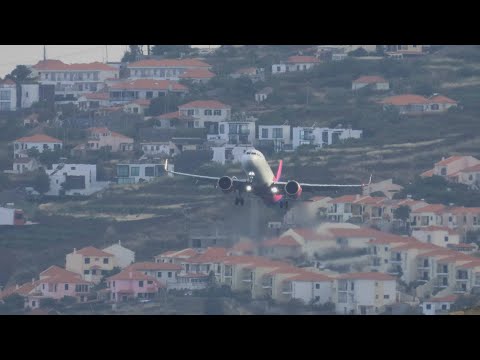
point(64, 278)
point(471, 264)
point(302, 59)
point(449, 160)
point(246, 71)
point(244, 246)
point(59, 65)
point(361, 232)
point(7, 82)
point(310, 276)
point(343, 199)
point(442, 100)
point(366, 276)
point(149, 84)
point(370, 80)
point(201, 73)
point(55, 271)
point(460, 210)
point(427, 173)
point(171, 115)
point(131, 275)
point(151, 63)
point(38, 138)
point(475, 168)
point(207, 104)
point(97, 96)
point(143, 266)
point(406, 99)
point(434, 208)
point(369, 200)
point(415, 245)
point(448, 298)
point(210, 255)
point(92, 251)
point(281, 241)
point(307, 234)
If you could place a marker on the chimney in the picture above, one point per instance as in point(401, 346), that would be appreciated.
point(443, 158)
point(119, 242)
point(16, 286)
point(74, 250)
point(130, 274)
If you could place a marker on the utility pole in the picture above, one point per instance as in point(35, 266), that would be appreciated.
point(106, 52)
point(44, 52)
point(148, 50)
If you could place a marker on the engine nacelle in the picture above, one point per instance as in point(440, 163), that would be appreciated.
point(225, 183)
point(293, 189)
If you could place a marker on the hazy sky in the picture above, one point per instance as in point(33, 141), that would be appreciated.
point(12, 55)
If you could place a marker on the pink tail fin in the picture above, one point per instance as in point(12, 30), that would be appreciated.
point(279, 171)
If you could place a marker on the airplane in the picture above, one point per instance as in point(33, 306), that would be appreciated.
point(262, 182)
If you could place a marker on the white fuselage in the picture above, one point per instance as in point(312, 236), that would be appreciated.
point(254, 162)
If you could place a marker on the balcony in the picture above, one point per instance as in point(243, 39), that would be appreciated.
point(460, 288)
point(423, 266)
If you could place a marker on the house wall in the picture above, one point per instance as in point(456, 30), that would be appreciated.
point(19, 146)
point(8, 98)
point(307, 291)
point(123, 257)
point(30, 93)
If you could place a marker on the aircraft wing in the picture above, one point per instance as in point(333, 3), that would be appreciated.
point(200, 177)
point(319, 187)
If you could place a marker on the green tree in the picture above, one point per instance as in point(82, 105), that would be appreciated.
point(33, 153)
point(12, 304)
point(41, 182)
point(20, 74)
point(48, 157)
point(358, 52)
point(4, 182)
point(402, 213)
point(172, 51)
point(163, 104)
point(133, 53)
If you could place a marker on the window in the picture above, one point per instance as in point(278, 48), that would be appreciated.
point(386, 248)
point(86, 272)
point(470, 177)
point(190, 112)
point(149, 282)
point(264, 133)
point(66, 286)
point(45, 146)
point(217, 112)
point(135, 171)
point(444, 306)
point(376, 283)
point(450, 219)
point(443, 171)
point(386, 261)
point(34, 303)
point(113, 284)
point(87, 260)
point(73, 168)
point(434, 107)
point(278, 133)
point(149, 94)
point(149, 171)
point(123, 170)
point(157, 147)
point(446, 238)
point(159, 274)
point(428, 306)
point(222, 129)
point(197, 124)
point(94, 272)
point(172, 123)
point(317, 286)
point(429, 238)
point(140, 283)
point(169, 274)
point(386, 296)
point(278, 69)
point(105, 260)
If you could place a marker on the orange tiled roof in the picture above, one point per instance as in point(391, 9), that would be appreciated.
point(302, 59)
point(448, 298)
point(475, 168)
point(449, 160)
point(442, 100)
point(201, 73)
point(434, 208)
point(281, 241)
point(427, 173)
point(310, 276)
point(210, 255)
point(366, 276)
point(59, 65)
point(208, 104)
point(370, 80)
point(93, 251)
point(406, 99)
point(38, 138)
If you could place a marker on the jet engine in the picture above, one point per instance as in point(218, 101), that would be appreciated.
point(225, 183)
point(293, 189)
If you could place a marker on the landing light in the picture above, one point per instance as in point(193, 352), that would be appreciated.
point(248, 188)
point(274, 190)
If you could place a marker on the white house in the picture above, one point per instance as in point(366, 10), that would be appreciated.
point(295, 63)
point(364, 293)
point(322, 136)
point(102, 137)
point(206, 113)
point(137, 173)
point(29, 94)
point(128, 91)
point(375, 82)
point(229, 153)
point(311, 288)
point(122, 257)
point(137, 106)
point(166, 273)
point(277, 136)
point(8, 95)
point(437, 235)
point(77, 179)
point(39, 141)
point(73, 80)
point(166, 69)
point(241, 132)
point(153, 148)
point(263, 94)
point(93, 100)
point(24, 164)
point(438, 305)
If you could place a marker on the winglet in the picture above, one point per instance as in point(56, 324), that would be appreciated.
point(279, 171)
